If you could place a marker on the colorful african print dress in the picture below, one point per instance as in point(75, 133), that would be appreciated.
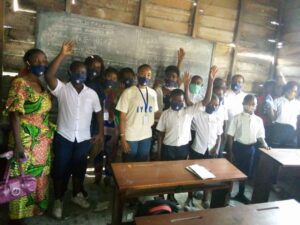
point(36, 134)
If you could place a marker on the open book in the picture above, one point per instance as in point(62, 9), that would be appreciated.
point(200, 171)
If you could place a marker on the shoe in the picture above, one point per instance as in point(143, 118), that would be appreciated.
point(80, 200)
point(188, 208)
point(205, 204)
point(242, 198)
point(57, 209)
point(198, 195)
point(172, 199)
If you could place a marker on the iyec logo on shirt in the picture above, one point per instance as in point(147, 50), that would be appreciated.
point(141, 109)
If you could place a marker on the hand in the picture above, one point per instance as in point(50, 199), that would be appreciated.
point(186, 79)
point(213, 152)
point(97, 139)
point(267, 147)
point(213, 72)
point(125, 146)
point(67, 48)
point(180, 54)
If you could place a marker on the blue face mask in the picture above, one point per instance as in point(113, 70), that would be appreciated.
point(143, 80)
point(37, 70)
point(210, 109)
point(128, 82)
point(170, 83)
point(176, 106)
point(236, 87)
point(77, 78)
point(110, 84)
point(91, 73)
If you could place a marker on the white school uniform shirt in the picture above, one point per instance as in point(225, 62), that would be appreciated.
point(246, 128)
point(195, 98)
point(75, 111)
point(177, 124)
point(287, 111)
point(138, 119)
point(234, 103)
point(207, 128)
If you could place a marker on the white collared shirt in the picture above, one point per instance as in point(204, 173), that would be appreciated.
point(234, 103)
point(138, 120)
point(177, 124)
point(246, 128)
point(287, 111)
point(195, 98)
point(75, 111)
point(207, 127)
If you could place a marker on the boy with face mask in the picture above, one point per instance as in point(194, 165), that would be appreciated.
point(245, 130)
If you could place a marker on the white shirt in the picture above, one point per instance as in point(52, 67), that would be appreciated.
point(160, 99)
point(75, 111)
point(194, 98)
point(207, 127)
point(287, 111)
point(222, 114)
point(234, 103)
point(138, 120)
point(177, 124)
point(246, 128)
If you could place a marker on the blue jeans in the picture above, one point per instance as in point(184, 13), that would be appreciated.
point(139, 151)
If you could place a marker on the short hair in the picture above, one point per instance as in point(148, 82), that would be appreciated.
point(110, 70)
point(176, 92)
point(172, 69)
point(143, 67)
point(236, 76)
point(75, 65)
point(125, 70)
point(196, 77)
point(218, 82)
point(31, 53)
point(248, 98)
point(289, 86)
point(94, 58)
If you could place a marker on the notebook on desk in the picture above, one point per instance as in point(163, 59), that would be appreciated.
point(200, 171)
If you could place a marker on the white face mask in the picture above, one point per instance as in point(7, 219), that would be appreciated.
point(249, 109)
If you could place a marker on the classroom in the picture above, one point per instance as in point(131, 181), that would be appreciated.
point(149, 112)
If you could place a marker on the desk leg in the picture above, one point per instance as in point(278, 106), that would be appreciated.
point(264, 177)
point(220, 197)
point(117, 211)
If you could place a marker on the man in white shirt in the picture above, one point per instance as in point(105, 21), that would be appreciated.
point(76, 104)
point(285, 111)
point(244, 131)
point(137, 106)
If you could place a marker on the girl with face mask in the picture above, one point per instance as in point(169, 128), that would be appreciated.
point(245, 130)
point(195, 89)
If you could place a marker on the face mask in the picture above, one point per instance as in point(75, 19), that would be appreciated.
point(91, 73)
point(236, 87)
point(143, 81)
point(176, 106)
point(77, 78)
point(210, 109)
point(128, 82)
point(170, 83)
point(37, 70)
point(249, 109)
point(110, 84)
point(195, 88)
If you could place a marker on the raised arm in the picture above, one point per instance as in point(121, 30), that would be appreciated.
point(211, 78)
point(50, 75)
point(186, 81)
point(180, 57)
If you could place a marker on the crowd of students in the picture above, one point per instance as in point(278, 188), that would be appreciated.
point(101, 111)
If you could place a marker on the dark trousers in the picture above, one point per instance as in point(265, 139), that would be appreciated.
point(196, 155)
point(169, 153)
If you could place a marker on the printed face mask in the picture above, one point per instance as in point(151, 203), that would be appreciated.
point(110, 84)
point(128, 82)
point(176, 106)
point(236, 87)
point(37, 70)
point(195, 88)
point(210, 109)
point(91, 73)
point(170, 83)
point(143, 80)
point(77, 78)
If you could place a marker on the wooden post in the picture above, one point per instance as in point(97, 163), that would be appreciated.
point(68, 8)
point(2, 7)
point(141, 16)
point(236, 37)
point(195, 17)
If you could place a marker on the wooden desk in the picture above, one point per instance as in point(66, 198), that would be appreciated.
point(270, 162)
point(271, 213)
point(152, 178)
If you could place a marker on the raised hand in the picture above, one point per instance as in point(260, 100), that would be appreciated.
point(213, 72)
point(67, 48)
point(186, 79)
point(180, 54)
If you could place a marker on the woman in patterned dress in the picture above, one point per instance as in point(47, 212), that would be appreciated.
point(28, 105)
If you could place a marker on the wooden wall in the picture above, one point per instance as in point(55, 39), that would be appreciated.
point(214, 20)
point(289, 55)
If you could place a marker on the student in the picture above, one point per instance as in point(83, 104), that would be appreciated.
point(174, 124)
point(137, 106)
point(284, 113)
point(195, 89)
point(234, 97)
point(244, 131)
point(76, 104)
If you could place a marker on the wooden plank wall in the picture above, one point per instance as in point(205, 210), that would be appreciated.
point(213, 20)
point(289, 55)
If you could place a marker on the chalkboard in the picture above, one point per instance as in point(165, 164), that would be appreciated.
point(120, 45)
